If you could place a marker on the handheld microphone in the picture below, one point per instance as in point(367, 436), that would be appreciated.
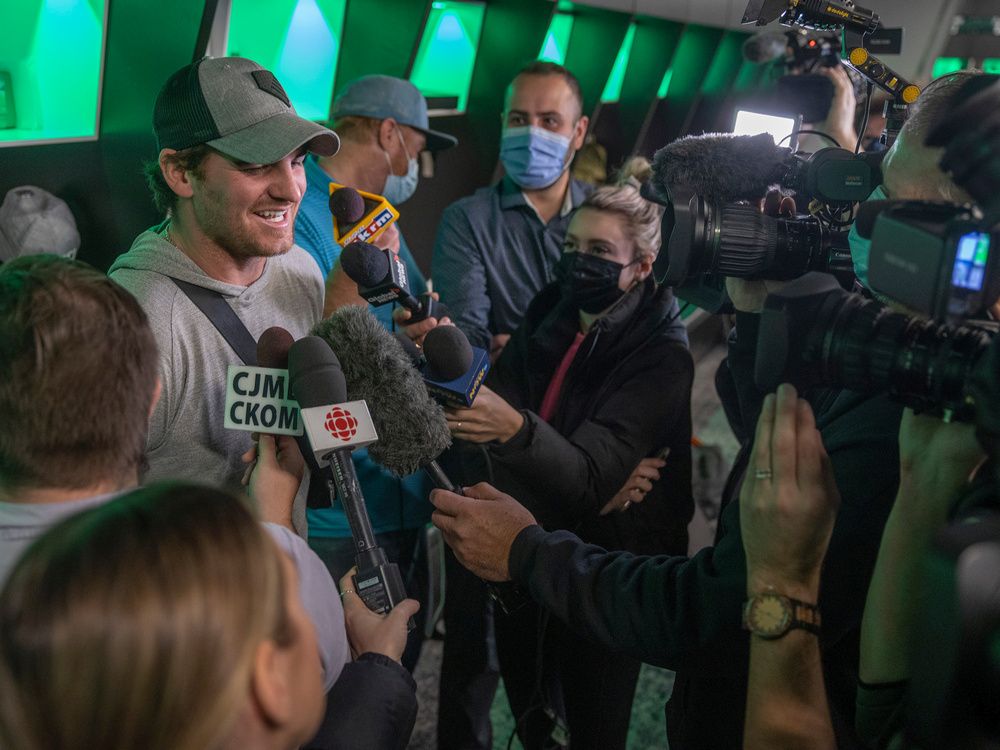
point(334, 428)
point(357, 215)
point(412, 426)
point(455, 369)
point(381, 278)
point(257, 397)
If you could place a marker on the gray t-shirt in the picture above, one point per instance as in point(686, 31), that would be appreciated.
point(187, 439)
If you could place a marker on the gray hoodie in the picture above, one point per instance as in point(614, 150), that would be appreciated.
point(187, 439)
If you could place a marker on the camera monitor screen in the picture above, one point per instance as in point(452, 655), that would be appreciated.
point(970, 261)
point(783, 129)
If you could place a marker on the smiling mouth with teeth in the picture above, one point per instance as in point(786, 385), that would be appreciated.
point(273, 217)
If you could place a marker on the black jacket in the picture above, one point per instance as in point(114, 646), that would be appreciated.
point(627, 395)
point(684, 614)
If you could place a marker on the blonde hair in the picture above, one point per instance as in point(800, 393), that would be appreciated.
point(642, 217)
point(136, 624)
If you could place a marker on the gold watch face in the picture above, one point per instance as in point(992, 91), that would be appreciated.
point(769, 615)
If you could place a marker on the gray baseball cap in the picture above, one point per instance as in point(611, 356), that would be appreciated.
point(380, 97)
point(33, 221)
point(236, 107)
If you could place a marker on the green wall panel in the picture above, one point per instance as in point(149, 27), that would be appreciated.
point(557, 38)
point(298, 40)
point(447, 53)
point(687, 72)
point(613, 88)
point(371, 45)
point(51, 55)
point(597, 38)
point(652, 53)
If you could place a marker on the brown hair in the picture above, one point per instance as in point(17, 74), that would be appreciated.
point(356, 128)
point(642, 217)
point(189, 159)
point(78, 368)
point(546, 68)
point(135, 624)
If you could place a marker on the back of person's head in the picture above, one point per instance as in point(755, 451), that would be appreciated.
point(137, 624)
point(911, 168)
point(641, 217)
point(78, 372)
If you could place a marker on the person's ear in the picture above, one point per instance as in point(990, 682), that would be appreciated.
point(387, 134)
point(271, 683)
point(644, 267)
point(580, 132)
point(177, 178)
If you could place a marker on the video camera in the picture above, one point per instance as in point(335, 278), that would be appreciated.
point(940, 260)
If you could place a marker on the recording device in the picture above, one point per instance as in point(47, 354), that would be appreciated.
point(334, 427)
point(357, 215)
point(934, 258)
point(453, 370)
point(857, 25)
point(381, 278)
point(412, 426)
point(813, 333)
point(719, 230)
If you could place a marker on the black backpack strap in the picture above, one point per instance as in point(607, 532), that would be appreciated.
point(225, 320)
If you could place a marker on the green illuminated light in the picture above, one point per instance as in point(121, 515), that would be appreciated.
point(665, 83)
point(50, 69)
point(991, 65)
point(447, 52)
point(945, 65)
point(564, 6)
point(298, 40)
point(557, 39)
point(613, 88)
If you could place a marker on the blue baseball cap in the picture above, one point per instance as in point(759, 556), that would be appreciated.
point(380, 97)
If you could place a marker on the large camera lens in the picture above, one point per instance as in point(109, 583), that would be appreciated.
point(736, 239)
point(828, 337)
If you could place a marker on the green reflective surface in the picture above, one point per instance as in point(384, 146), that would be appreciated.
point(50, 69)
point(557, 39)
point(991, 65)
point(694, 56)
point(297, 40)
point(945, 65)
point(447, 52)
point(613, 88)
point(725, 65)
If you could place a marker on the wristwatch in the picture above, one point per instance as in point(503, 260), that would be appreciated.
point(771, 615)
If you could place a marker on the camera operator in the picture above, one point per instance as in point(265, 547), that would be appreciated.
point(693, 626)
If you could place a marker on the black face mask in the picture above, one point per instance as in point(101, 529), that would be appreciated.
point(591, 283)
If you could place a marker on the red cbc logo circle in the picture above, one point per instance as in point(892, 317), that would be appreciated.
point(341, 424)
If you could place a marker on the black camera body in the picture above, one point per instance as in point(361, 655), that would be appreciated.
point(936, 259)
point(815, 334)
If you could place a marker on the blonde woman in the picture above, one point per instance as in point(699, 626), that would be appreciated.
point(597, 378)
point(164, 620)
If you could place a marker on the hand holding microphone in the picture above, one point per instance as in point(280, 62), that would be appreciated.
point(382, 278)
point(489, 418)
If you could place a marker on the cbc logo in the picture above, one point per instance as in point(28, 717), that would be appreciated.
point(341, 424)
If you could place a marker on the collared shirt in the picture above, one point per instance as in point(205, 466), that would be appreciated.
point(393, 503)
point(494, 254)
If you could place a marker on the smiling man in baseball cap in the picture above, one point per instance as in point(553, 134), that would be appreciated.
point(222, 266)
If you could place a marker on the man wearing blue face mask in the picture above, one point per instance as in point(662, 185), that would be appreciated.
point(383, 125)
point(497, 248)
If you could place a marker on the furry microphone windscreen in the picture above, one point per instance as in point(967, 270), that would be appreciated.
point(719, 166)
point(411, 426)
point(365, 264)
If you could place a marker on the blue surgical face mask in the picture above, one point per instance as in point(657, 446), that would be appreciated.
point(399, 188)
point(861, 248)
point(533, 157)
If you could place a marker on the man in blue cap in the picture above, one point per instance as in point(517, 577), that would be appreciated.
point(383, 125)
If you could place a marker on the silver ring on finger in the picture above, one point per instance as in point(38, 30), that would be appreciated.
point(763, 474)
point(626, 505)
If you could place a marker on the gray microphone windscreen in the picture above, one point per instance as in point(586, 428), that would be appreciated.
point(411, 426)
point(719, 166)
point(765, 46)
